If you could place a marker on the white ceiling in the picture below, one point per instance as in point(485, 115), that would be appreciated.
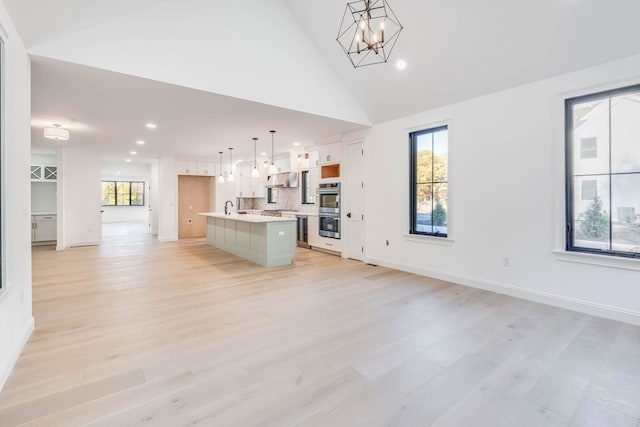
point(283, 53)
point(108, 111)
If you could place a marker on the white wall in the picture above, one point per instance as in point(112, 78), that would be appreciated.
point(154, 196)
point(43, 159)
point(506, 198)
point(168, 199)
point(79, 173)
point(16, 321)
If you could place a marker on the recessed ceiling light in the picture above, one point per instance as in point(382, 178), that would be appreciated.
point(133, 153)
point(296, 143)
point(152, 125)
point(140, 142)
point(401, 64)
point(263, 154)
point(127, 160)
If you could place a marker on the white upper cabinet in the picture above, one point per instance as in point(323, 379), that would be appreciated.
point(283, 163)
point(187, 167)
point(329, 153)
point(313, 159)
point(44, 173)
point(206, 168)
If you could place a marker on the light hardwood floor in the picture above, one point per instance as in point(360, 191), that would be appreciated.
point(175, 334)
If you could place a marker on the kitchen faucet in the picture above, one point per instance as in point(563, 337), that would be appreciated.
point(227, 212)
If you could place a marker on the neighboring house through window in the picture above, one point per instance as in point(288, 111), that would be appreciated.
point(603, 172)
point(589, 148)
point(429, 182)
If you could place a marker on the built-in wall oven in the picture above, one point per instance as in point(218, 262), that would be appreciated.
point(329, 209)
point(329, 225)
point(329, 195)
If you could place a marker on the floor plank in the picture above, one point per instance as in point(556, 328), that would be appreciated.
point(139, 332)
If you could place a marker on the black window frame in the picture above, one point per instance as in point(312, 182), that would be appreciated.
point(413, 164)
point(144, 191)
point(569, 175)
point(270, 196)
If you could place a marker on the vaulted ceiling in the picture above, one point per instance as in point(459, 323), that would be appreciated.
point(257, 60)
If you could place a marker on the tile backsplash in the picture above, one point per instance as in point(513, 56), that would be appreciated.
point(288, 199)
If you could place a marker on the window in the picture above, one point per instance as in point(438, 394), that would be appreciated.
point(429, 181)
point(308, 197)
point(603, 172)
point(589, 148)
point(122, 193)
point(272, 195)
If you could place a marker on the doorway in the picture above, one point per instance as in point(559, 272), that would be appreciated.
point(354, 203)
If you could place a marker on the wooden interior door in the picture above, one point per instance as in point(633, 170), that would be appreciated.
point(193, 197)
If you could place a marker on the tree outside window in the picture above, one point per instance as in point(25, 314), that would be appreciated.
point(122, 193)
point(603, 172)
point(429, 182)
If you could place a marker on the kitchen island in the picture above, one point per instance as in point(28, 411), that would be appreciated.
point(266, 240)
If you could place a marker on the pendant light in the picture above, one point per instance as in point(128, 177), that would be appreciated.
point(255, 173)
point(221, 178)
point(272, 167)
point(230, 178)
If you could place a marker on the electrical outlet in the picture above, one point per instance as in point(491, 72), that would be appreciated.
point(506, 261)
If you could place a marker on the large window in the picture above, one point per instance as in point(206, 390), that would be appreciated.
point(429, 181)
point(122, 193)
point(603, 172)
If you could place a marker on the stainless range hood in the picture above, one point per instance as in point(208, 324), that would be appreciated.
point(283, 180)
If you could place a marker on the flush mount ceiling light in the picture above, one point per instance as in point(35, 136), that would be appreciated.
point(56, 132)
point(368, 32)
point(272, 166)
point(220, 178)
point(255, 173)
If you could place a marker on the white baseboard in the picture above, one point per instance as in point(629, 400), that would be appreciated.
point(568, 303)
point(167, 238)
point(13, 353)
point(81, 244)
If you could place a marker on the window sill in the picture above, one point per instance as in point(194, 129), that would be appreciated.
point(603, 260)
point(442, 241)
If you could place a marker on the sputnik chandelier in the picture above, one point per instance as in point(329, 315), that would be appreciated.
point(368, 32)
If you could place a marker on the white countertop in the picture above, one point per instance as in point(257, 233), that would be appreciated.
point(247, 217)
point(298, 213)
point(43, 213)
